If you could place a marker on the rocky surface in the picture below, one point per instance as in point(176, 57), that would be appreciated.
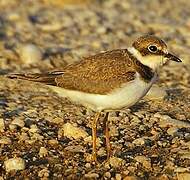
point(151, 140)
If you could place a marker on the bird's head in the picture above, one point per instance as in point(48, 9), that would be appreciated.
point(152, 51)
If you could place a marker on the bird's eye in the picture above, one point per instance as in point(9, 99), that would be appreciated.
point(152, 48)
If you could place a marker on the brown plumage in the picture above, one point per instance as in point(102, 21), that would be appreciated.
point(98, 74)
point(145, 41)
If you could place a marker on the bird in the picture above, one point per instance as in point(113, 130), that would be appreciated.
point(108, 81)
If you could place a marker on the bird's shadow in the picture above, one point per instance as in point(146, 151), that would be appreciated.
point(139, 106)
point(173, 94)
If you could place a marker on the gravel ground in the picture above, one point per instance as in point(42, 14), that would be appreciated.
point(45, 137)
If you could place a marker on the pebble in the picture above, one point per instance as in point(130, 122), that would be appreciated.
point(144, 161)
point(75, 149)
point(115, 162)
point(139, 141)
point(12, 127)
point(2, 125)
point(5, 140)
point(172, 131)
point(13, 16)
point(182, 169)
point(166, 121)
point(53, 142)
point(23, 136)
point(71, 131)
point(163, 177)
point(44, 173)
point(130, 178)
point(101, 152)
point(43, 152)
point(14, 164)
point(61, 3)
point(88, 165)
point(58, 120)
point(33, 129)
point(184, 154)
point(183, 176)
point(91, 175)
point(107, 175)
point(51, 27)
point(156, 93)
point(30, 54)
point(18, 122)
point(118, 177)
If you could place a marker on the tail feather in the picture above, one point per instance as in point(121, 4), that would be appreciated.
point(46, 78)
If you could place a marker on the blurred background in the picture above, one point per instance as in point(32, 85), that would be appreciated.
point(51, 33)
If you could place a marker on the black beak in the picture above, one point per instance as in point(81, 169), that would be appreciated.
point(172, 57)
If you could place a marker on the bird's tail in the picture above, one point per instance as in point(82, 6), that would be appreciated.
point(46, 78)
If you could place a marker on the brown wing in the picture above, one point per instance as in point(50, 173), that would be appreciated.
point(98, 74)
point(47, 78)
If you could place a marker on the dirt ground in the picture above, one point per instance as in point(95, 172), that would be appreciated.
point(43, 136)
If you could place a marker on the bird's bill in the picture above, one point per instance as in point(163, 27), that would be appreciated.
point(172, 57)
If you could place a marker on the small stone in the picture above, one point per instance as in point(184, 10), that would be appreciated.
point(14, 164)
point(130, 178)
point(135, 121)
point(33, 129)
point(51, 27)
point(88, 165)
point(184, 154)
point(58, 120)
point(37, 137)
point(167, 121)
point(108, 175)
point(139, 141)
point(5, 140)
point(12, 127)
point(89, 140)
point(44, 173)
point(101, 30)
point(144, 161)
point(18, 122)
point(2, 125)
point(43, 152)
point(75, 149)
point(91, 175)
point(183, 176)
point(88, 157)
point(53, 142)
point(163, 177)
point(118, 177)
point(30, 54)
point(172, 131)
point(114, 131)
point(71, 131)
point(101, 152)
point(13, 16)
point(181, 170)
point(115, 162)
point(23, 136)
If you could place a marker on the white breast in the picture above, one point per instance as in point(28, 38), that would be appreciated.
point(125, 96)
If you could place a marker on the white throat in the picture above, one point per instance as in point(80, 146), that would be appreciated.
point(152, 61)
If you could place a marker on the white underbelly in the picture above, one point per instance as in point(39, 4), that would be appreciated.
point(125, 96)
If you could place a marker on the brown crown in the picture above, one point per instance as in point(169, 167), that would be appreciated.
point(142, 44)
